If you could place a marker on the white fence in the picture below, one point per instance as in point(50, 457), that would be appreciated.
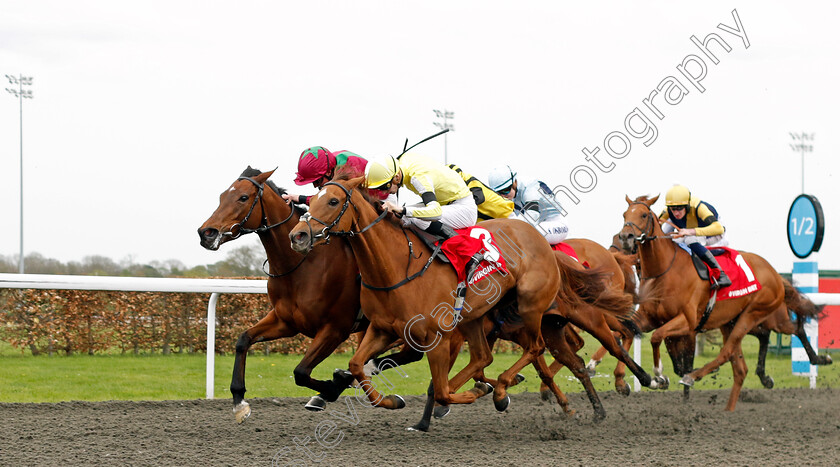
point(213, 287)
point(146, 284)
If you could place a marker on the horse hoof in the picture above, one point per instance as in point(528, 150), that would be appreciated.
point(546, 395)
point(441, 411)
point(424, 427)
point(503, 404)
point(768, 382)
point(591, 371)
point(662, 382)
point(483, 387)
point(241, 411)
point(600, 415)
point(342, 378)
point(518, 379)
point(624, 389)
point(398, 402)
point(316, 404)
point(687, 380)
point(823, 360)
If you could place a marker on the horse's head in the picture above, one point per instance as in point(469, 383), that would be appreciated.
point(639, 223)
point(240, 210)
point(327, 215)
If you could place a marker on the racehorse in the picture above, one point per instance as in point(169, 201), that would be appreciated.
point(316, 295)
point(597, 321)
point(779, 321)
point(420, 310)
point(682, 297)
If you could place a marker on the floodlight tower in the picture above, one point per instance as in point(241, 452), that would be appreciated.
point(21, 94)
point(445, 115)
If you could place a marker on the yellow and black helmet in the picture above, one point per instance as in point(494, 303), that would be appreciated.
point(677, 195)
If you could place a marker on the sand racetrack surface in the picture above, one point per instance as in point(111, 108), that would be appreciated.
point(768, 427)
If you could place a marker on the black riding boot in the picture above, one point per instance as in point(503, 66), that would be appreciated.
point(709, 258)
point(441, 230)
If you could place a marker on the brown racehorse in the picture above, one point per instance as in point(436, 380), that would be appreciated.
point(420, 310)
point(597, 321)
point(682, 295)
point(316, 295)
point(779, 321)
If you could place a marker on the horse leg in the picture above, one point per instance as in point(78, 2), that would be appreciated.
point(763, 336)
point(374, 342)
point(678, 326)
point(455, 344)
point(595, 360)
point(806, 344)
point(553, 369)
point(592, 320)
point(745, 322)
point(739, 372)
point(560, 350)
point(533, 347)
point(480, 356)
point(267, 329)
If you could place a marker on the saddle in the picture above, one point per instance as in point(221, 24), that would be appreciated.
point(699, 265)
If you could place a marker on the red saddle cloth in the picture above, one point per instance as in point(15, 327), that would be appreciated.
point(566, 248)
point(743, 279)
point(469, 241)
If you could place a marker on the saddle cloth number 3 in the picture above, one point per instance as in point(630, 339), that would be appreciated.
point(492, 254)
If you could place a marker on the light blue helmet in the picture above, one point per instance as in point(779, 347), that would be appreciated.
point(501, 177)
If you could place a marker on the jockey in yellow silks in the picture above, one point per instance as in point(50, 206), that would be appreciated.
point(447, 202)
point(490, 204)
point(696, 224)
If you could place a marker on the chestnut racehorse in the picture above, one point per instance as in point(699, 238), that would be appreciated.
point(597, 321)
point(420, 310)
point(682, 354)
point(316, 295)
point(682, 295)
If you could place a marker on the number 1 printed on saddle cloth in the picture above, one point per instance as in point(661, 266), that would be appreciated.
point(470, 241)
point(744, 281)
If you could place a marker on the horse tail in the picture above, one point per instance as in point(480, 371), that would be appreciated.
point(799, 303)
point(591, 287)
point(626, 263)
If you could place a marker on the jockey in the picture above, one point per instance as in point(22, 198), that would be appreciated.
point(490, 204)
point(533, 202)
point(317, 166)
point(447, 202)
point(696, 224)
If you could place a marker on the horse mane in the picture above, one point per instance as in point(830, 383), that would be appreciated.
point(642, 199)
point(251, 172)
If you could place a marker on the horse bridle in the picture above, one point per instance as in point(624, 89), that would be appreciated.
point(327, 231)
point(263, 227)
point(644, 236)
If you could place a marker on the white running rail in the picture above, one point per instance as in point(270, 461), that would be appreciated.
point(146, 284)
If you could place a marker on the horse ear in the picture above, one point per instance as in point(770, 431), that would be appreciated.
point(653, 200)
point(261, 178)
point(627, 198)
point(354, 182)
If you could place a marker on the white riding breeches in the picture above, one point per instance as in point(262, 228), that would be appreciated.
point(459, 214)
point(553, 229)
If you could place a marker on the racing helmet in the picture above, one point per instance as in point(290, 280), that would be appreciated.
point(380, 172)
point(314, 163)
point(677, 195)
point(501, 177)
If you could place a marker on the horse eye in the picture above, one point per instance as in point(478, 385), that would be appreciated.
point(644, 216)
point(333, 202)
point(243, 198)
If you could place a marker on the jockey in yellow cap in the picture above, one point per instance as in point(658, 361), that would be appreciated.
point(696, 223)
point(447, 202)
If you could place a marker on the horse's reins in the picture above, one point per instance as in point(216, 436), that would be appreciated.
point(327, 231)
point(644, 237)
point(263, 227)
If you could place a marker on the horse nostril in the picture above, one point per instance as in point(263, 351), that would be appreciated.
point(208, 233)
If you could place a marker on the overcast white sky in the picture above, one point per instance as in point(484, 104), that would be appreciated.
point(145, 111)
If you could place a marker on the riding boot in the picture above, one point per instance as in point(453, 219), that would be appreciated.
point(439, 229)
point(709, 259)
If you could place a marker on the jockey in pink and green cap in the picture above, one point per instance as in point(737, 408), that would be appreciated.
point(317, 166)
